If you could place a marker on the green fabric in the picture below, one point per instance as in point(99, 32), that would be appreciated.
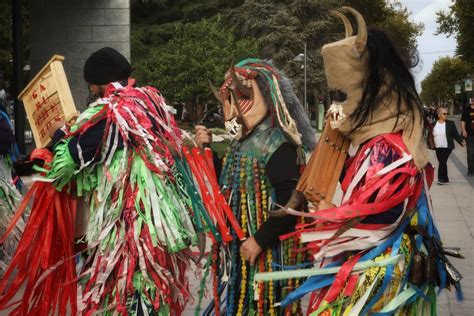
point(261, 143)
point(62, 167)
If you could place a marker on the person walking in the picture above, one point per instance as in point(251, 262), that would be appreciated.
point(444, 133)
point(467, 130)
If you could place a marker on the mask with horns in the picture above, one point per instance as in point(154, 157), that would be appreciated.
point(242, 100)
point(346, 66)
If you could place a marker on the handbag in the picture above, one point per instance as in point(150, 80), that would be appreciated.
point(429, 136)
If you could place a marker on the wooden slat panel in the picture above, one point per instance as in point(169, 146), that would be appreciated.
point(319, 180)
point(47, 98)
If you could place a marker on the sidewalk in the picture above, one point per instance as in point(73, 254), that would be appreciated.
point(454, 215)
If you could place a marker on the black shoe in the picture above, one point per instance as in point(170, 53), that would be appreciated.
point(443, 182)
point(470, 174)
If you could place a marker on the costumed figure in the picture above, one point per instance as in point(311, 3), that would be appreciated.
point(9, 193)
point(379, 252)
point(146, 197)
point(260, 167)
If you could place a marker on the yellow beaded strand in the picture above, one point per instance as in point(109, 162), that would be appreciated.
point(243, 221)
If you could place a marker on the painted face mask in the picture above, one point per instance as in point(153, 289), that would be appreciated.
point(241, 99)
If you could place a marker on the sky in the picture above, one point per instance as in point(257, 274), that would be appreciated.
point(430, 47)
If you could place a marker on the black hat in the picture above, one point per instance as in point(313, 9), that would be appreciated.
point(106, 65)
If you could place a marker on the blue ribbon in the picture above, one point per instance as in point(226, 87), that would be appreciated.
point(318, 282)
point(386, 280)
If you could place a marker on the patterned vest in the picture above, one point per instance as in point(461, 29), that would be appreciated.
point(246, 186)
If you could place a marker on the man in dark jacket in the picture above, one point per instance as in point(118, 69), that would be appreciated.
point(444, 132)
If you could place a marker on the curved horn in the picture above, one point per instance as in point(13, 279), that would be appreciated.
point(361, 39)
point(345, 20)
point(215, 92)
point(295, 202)
point(246, 91)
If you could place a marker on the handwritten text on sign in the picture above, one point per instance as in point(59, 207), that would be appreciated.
point(47, 107)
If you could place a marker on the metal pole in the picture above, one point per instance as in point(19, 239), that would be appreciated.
point(17, 85)
point(305, 100)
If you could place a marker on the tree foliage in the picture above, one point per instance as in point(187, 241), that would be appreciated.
point(458, 21)
point(284, 26)
point(280, 27)
point(198, 52)
point(438, 86)
point(6, 53)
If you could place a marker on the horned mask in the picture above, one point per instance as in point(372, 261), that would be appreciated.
point(241, 98)
point(345, 66)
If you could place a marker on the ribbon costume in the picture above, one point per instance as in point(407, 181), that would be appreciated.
point(148, 197)
point(9, 194)
point(379, 252)
point(260, 167)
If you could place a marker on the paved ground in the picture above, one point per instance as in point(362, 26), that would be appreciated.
point(454, 215)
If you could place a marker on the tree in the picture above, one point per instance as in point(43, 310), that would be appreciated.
point(284, 26)
point(198, 52)
point(6, 54)
point(438, 86)
point(394, 18)
point(154, 21)
point(459, 21)
point(280, 27)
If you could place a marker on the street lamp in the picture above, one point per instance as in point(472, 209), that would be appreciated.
point(302, 58)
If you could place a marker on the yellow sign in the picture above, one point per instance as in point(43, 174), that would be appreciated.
point(48, 99)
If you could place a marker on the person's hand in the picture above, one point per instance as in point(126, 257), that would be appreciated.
point(72, 120)
point(464, 133)
point(250, 250)
point(463, 143)
point(203, 136)
point(55, 126)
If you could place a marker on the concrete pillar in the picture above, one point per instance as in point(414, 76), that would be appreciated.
point(75, 29)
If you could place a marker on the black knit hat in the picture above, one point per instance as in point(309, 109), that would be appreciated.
point(106, 65)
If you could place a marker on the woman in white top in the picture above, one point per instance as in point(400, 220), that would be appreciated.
point(444, 133)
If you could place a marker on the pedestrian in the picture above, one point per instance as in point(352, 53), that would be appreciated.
point(444, 133)
point(260, 166)
point(385, 210)
point(121, 156)
point(467, 131)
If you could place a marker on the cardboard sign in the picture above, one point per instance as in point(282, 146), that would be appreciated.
point(48, 99)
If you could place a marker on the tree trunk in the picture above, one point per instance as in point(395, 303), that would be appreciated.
point(196, 110)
